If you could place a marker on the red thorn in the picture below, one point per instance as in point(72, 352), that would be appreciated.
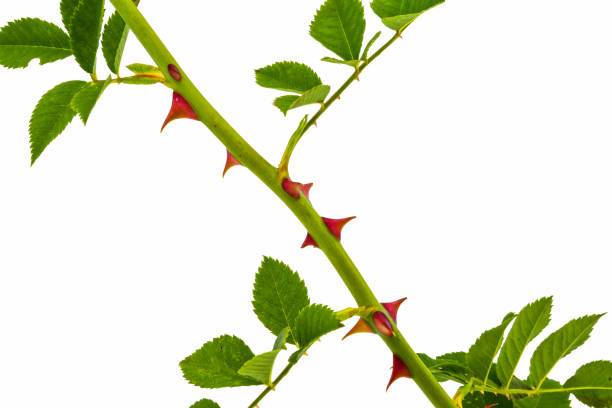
point(491, 406)
point(315, 123)
point(361, 327)
point(174, 72)
point(180, 109)
point(335, 227)
point(294, 188)
point(399, 370)
point(230, 162)
point(338, 97)
point(357, 78)
point(392, 307)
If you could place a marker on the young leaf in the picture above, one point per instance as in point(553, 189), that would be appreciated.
point(113, 40)
point(85, 28)
point(397, 14)
point(351, 63)
point(547, 400)
point(598, 376)
point(260, 367)
point(481, 355)
point(216, 364)
point(315, 95)
point(205, 403)
point(558, 345)
point(287, 76)
point(23, 40)
point(364, 56)
point(529, 323)
point(144, 69)
point(67, 8)
point(85, 100)
point(278, 296)
point(313, 322)
point(339, 26)
point(51, 115)
point(281, 339)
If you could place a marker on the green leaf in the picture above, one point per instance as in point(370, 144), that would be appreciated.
point(478, 400)
point(260, 367)
point(397, 14)
point(140, 80)
point(547, 400)
point(364, 56)
point(313, 322)
point(284, 102)
point(339, 26)
point(85, 28)
point(351, 63)
point(558, 345)
point(85, 100)
point(144, 69)
point(287, 76)
point(51, 115)
point(67, 8)
point(205, 403)
point(216, 364)
point(281, 339)
point(23, 40)
point(528, 324)
point(597, 374)
point(481, 355)
point(278, 296)
point(113, 40)
point(315, 95)
point(452, 366)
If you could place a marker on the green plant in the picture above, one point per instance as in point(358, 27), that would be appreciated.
point(62, 103)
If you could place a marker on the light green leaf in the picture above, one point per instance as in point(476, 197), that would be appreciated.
point(205, 403)
point(397, 14)
point(478, 400)
point(67, 8)
point(313, 322)
point(85, 28)
point(481, 355)
point(140, 80)
point(281, 339)
point(51, 116)
point(260, 367)
point(558, 345)
point(547, 400)
point(339, 26)
point(531, 320)
point(216, 364)
point(364, 56)
point(287, 76)
point(144, 69)
point(113, 40)
point(315, 95)
point(596, 375)
point(278, 296)
point(23, 40)
point(284, 102)
point(351, 63)
point(85, 100)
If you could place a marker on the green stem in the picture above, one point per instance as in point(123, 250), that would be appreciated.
point(268, 174)
point(274, 384)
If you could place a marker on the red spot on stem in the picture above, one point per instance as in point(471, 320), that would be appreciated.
point(335, 227)
point(180, 109)
point(380, 320)
point(174, 72)
point(230, 162)
point(399, 370)
point(294, 188)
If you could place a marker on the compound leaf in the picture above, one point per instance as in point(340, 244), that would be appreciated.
point(531, 320)
point(260, 367)
point(558, 345)
point(287, 76)
point(205, 403)
point(85, 100)
point(85, 28)
point(113, 40)
point(25, 39)
point(278, 296)
point(397, 14)
point(51, 115)
point(339, 26)
point(598, 376)
point(216, 364)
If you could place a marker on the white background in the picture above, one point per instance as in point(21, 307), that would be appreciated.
point(476, 153)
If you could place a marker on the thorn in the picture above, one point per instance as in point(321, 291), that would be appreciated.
point(392, 307)
point(315, 123)
point(294, 188)
point(383, 325)
point(399, 370)
point(230, 162)
point(338, 97)
point(174, 72)
point(357, 79)
point(306, 354)
point(335, 227)
point(180, 109)
point(361, 327)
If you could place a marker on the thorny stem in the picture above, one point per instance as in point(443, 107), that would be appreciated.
point(268, 174)
point(274, 384)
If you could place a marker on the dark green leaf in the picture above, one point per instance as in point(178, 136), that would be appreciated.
point(287, 76)
point(216, 364)
point(364, 56)
point(531, 320)
point(51, 115)
point(113, 40)
point(397, 14)
point(482, 354)
point(85, 28)
point(278, 296)
point(558, 345)
point(205, 403)
point(260, 367)
point(281, 339)
point(85, 100)
point(478, 400)
point(313, 322)
point(597, 374)
point(547, 400)
point(67, 8)
point(339, 26)
point(452, 366)
point(23, 40)
point(284, 102)
point(144, 69)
